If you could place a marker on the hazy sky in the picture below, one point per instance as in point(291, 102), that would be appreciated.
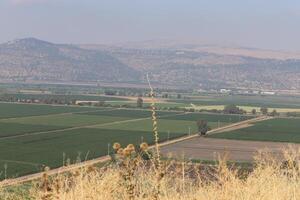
point(270, 24)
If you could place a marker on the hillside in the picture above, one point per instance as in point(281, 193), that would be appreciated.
point(189, 66)
point(33, 59)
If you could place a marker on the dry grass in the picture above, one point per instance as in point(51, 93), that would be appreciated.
point(131, 177)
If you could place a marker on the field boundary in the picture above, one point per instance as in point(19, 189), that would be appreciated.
point(239, 125)
point(59, 170)
point(87, 126)
point(65, 113)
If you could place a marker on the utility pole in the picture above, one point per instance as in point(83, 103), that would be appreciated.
point(189, 130)
point(108, 149)
point(168, 135)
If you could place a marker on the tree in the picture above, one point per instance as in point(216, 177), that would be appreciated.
point(291, 114)
point(202, 126)
point(233, 109)
point(110, 92)
point(274, 113)
point(165, 95)
point(253, 111)
point(139, 102)
point(264, 110)
point(178, 96)
point(191, 110)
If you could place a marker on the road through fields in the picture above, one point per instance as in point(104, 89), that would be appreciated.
point(164, 145)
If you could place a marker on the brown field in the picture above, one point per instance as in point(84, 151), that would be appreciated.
point(208, 149)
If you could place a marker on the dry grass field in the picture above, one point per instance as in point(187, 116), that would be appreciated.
point(131, 177)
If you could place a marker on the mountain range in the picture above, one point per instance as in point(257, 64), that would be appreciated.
point(184, 65)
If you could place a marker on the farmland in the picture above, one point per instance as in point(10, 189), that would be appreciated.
point(276, 130)
point(33, 136)
point(9, 110)
point(246, 102)
point(69, 97)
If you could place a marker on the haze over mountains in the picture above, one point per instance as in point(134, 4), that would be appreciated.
point(181, 65)
point(33, 59)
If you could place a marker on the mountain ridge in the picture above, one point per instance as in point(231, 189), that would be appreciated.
point(32, 59)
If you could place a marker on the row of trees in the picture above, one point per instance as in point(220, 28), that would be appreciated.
point(233, 109)
point(265, 111)
point(229, 109)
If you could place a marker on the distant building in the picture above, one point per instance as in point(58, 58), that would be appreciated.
point(268, 93)
point(225, 91)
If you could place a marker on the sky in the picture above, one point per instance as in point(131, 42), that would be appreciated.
point(266, 24)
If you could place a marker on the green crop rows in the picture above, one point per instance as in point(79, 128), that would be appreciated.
point(277, 130)
point(33, 136)
point(243, 100)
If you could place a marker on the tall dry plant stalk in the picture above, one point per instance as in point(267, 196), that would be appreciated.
point(154, 121)
point(158, 167)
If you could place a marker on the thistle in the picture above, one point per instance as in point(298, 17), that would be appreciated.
point(116, 146)
point(144, 146)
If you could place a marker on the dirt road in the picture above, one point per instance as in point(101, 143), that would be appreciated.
point(188, 145)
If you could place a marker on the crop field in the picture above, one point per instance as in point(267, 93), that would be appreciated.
point(159, 104)
point(218, 101)
point(33, 136)
point(277, 130)
point(11, 110)
point(244, 100)
point(67, 97)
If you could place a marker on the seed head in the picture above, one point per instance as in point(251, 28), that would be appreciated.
point(130, 147)
point(126, 151)
point(120, 151)
point(116, 146)
point(46, 169)
point(144, 146)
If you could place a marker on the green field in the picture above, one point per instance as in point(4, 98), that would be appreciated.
point(70, 97)
point(277, 130)
point(32, 136)
point(11, 110)
point(212, 117)
point(291, 102)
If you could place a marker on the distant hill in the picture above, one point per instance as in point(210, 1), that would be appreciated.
point(184, 65)
point(197, 67)
point(33, 59)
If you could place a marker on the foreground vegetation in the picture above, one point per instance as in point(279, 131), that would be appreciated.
point(132, 176)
